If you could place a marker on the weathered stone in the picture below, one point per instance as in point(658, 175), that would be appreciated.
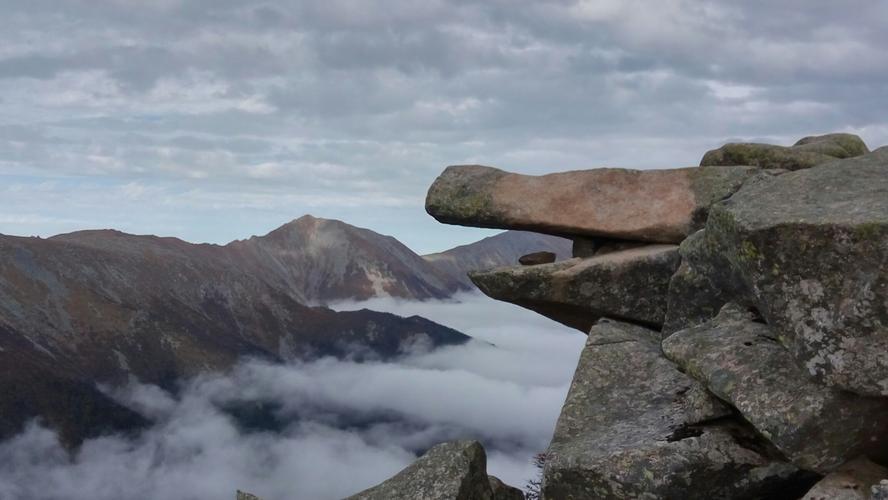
point(628, 285)
point(811, 248)
point(851, 481)
point(585, 247)
point(816, 427)
point(243, 495)
point(837, 145)
point(806, 153)
point(537, 258)
point(456, 470)
point(880, 491)
point(502, 491)
point(644, 205)
point(634, 426)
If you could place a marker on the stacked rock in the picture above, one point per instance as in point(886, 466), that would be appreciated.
point(736, 312)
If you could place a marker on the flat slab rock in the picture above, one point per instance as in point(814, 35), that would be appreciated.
point(852, 481)
point(811, 247)
point(660, 206)
point(816, 427)
point(806, 153)
point(628, 284)
point(455, 470)
point(633, 426)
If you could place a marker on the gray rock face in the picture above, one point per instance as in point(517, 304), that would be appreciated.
point(456, 470)
point(502, 491)
point(633, 426)
point(806, 153)
point(629, 284)
point(660, 206)
point(811, 248)
point(242, 495)
point(880, 491)
point(852, 481)
point(816, 427)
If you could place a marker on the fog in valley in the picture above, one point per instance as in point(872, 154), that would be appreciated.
point(326, 428)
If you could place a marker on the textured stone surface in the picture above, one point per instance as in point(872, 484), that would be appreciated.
point(537, 258)
point(811, 247)
point(629, 285)
point(502, 491)
point(456, 470)
point(852, 481)
point(634, 426)
point(644, 205)
point(806, 153)
point(242, 495)
point(880, 491)
point(816, 427)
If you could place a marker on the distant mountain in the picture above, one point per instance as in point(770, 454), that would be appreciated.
point(101, 306)
point(327, 260)
point(503, 249)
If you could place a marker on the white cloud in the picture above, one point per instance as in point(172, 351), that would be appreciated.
point(344, 426)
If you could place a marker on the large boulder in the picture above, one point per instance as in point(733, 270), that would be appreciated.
point(455, 470)
point(811, 250)
point(646, 205)
point(816, 427)
point(852, 481)
point(628, 284)
point(806, 153)
point(634, 426)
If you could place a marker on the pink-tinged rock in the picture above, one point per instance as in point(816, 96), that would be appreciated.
point(645, 205)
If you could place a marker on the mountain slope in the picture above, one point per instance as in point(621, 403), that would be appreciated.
point(101, 306)
point(503, 249)
point(328, 260)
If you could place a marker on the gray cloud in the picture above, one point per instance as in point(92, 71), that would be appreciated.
point(342, 426)
point(281, 98)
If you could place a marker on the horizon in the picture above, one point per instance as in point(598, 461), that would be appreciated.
point(209, 121)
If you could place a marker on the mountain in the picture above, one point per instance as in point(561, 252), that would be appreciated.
point(102, 306)
point(503, 249)
point(327, 260)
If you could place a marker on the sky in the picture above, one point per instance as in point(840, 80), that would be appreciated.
point(504, 388)
point(213, 120)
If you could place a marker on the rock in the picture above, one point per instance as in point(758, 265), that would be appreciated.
point(630, 285)
point(851, 481)
point(806, 153)
point(634, 426)
point(502, 491)
point(880, 491)
point(242, 495)
point(816, 427)
point(811, 249)
point(584, 247)
point(455, 470)
point(837, 145)
point(536, 258)
point(660, 206)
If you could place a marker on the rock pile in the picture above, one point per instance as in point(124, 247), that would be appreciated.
point(737, 315)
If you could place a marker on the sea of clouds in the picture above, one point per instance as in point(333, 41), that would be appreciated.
point(322, 429)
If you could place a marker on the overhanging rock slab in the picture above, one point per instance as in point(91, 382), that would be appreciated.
point(629, 285)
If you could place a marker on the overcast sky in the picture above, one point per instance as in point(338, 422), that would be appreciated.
point(213, 120)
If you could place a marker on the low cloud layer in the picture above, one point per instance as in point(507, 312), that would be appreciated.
point(213, 120)
point(323, 429)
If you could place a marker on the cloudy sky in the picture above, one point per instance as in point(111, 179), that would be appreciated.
point(213, 120)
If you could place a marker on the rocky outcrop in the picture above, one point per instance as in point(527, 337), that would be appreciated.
point(746, 362)
point(242, 495)
point(806, 153)
point(811, 249)
point(502, 491)
point(853, 481)
point(816, 427)
point(634, 426)
point(629, 285)
point(449, 471)
point(661, 206)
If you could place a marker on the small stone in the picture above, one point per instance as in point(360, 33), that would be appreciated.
point(852, 481)
point(537, 258)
